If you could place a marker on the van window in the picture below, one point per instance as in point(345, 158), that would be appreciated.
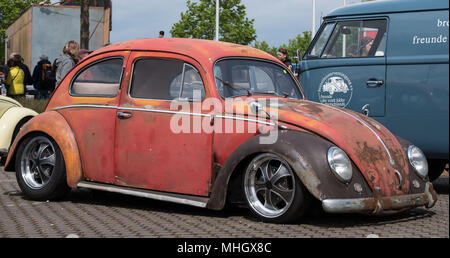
point(355, 39)
point(322, 40)
point(100, 79)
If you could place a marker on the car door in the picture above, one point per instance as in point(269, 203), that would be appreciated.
point(151, 152)
point(94, 94)
point(346, 67)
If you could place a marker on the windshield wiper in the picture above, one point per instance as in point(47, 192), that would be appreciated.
point(234, 87)
point(284, 94)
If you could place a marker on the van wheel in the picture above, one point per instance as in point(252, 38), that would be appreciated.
point(272, 190)
point(40, 169)
point(436, 168)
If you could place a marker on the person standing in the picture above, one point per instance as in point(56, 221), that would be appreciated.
point(283, 57)
point(161, 34)
point(67, 60)
point(83, 53)
point(28, 80)
point(43, 81)
point(15, 78)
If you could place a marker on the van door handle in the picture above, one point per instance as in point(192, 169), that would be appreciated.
point(365, 110)
point(124, 115)
point(373, 83)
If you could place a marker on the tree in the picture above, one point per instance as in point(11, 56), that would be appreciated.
point(10, 10)
point(264, 46)
point(84, 24)
point(300, 42)
point(200, 19)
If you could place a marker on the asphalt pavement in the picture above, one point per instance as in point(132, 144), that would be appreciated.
point(93, 214)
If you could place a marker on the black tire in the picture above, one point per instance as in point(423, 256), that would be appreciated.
point(40, 169)
point(435, 168)
point(273, 191)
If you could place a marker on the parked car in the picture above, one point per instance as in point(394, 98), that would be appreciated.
point(12, 117)
point(201, 122)
point(393, 56)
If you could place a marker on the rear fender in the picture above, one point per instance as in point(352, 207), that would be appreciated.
point(54, 125)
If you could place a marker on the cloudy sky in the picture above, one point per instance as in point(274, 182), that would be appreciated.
point(276, 21)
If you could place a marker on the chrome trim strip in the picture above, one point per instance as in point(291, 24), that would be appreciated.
point(84, 106)
point(164, 111)
point(245, 119)
point(196, 201)
point(365, 124)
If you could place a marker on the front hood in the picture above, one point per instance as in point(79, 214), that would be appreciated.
point(373, 148)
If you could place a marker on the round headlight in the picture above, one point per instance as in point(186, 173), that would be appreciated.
point(418, 160)
point(340, 164)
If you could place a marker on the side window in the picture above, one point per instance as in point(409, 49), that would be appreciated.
point(192, 84)
point(321, 41)
point(152, 78)
point(356, 39)
point(100, 79)
point(165, 79)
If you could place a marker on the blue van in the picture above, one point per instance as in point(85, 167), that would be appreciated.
point(389, 60)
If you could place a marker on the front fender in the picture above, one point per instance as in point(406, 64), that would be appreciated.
point(306, 153)
point(9, 121)
point(54, 125)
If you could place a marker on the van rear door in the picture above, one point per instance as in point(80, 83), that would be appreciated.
point(345, 66)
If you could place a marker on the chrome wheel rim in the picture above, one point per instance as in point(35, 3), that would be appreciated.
point(269, 185)
point(38, 162)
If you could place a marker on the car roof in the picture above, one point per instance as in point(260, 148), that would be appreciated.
point(201, 50)
point(388, 6)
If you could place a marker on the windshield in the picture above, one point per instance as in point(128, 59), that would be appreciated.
point(237, 77)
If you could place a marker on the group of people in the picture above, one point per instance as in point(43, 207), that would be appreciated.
point(45, 77)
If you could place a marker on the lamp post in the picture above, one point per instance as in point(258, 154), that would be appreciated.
point(217, 20)
point(313, 30)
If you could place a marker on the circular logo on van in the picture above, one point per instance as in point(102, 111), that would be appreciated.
point(335, 89)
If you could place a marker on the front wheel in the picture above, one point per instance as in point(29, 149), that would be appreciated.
point(272, 190)
point(40, 169)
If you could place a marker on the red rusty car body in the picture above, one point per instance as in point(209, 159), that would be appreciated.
point(110, 125)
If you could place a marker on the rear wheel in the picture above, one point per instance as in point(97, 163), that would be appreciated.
point(273, 191)
point(40, 169)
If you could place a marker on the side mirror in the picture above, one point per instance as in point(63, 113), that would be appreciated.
point(299, 55)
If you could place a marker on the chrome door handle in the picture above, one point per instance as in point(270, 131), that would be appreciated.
point(124, 115)
point(372, 83)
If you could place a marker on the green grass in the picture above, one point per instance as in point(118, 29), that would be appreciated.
point(37, 105)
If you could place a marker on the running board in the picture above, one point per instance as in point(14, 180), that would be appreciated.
point(196, 201)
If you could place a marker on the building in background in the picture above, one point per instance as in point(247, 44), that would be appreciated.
point(44, 29)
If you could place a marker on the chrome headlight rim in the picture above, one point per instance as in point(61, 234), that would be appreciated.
point(421, 171)
point(343, 176)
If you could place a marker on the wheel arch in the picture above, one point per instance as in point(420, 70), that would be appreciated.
point(54, 125)
point(305, 152)
point(284, 147)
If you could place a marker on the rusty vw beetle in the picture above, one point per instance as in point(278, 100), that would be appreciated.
point(201, 123)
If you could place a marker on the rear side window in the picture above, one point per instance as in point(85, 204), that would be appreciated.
point(166, 79)
point(353, 39)
point(99, 79)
